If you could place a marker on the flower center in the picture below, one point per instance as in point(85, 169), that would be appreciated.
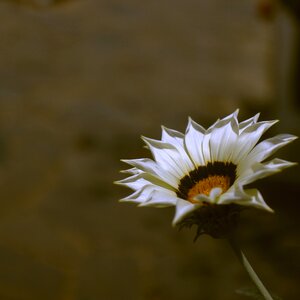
point(204, 178)
point(205, 185)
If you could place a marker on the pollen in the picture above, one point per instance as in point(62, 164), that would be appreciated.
point(204, 186)
point(204, 178)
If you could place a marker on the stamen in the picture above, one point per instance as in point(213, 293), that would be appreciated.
point(204, 178)
point(204, 186)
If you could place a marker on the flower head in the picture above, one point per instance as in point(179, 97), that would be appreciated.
point(203, 173)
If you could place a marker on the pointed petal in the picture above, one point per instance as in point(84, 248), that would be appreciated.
point(223, 139)
point(176, 139)
point(161, 198)
point(134, 182)
point(223, 121)
point(171, 136)
point(183, 209)
point(252, 197)
point(249, 197)
point(212, 198)
point(149, 166)
point(229, 197)
point(265, 149)
point(212, 146)
point(243, 125)
point(143, 164)
point(131, 171)
point(215, 193)
point(193, 142)
point(137, 181)
point(140, 195)
point(168, 158)
point(206, 150)
point(248, 139)
point(260, 170)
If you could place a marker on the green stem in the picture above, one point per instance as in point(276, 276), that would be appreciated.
point(244, 261)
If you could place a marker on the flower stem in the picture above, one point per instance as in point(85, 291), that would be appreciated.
point(244, 261)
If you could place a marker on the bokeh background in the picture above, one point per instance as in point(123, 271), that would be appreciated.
point(80, 81)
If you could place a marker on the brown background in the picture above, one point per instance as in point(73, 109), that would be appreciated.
point(80, 81)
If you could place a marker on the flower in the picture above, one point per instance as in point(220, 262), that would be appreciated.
point(203, 173)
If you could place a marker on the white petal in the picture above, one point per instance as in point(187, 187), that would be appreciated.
point(248, 197)
point(206, 148)
point(223, 121)
point(183, 208)
point(229, 197)
point(140, 195)
point(243, 125)
point(212, 198)
point(252, 197)
point(168, 158)
point(149, 166)
point(219, 138)
point(172, 136)
point(264, 149)
point(223, 139)
point(132, 171)
point(144, 164)
point(138, 181)
point(176, 139)
point(260, 170)
point(134, 182)
point(212, 126)
point(161, 198)
point(215, 193)
point(193, 142)
point(248, 139)
point(233, 115)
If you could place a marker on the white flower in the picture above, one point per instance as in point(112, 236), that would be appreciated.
point(206, 167)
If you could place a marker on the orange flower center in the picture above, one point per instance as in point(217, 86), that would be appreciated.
point(204, 186)
point(203, 179)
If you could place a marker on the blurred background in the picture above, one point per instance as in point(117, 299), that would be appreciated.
point(80, 81)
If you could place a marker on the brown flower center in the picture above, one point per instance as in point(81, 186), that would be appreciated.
point(204, 178)
point(205, 185)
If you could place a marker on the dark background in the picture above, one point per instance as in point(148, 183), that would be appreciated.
point(80, 81)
